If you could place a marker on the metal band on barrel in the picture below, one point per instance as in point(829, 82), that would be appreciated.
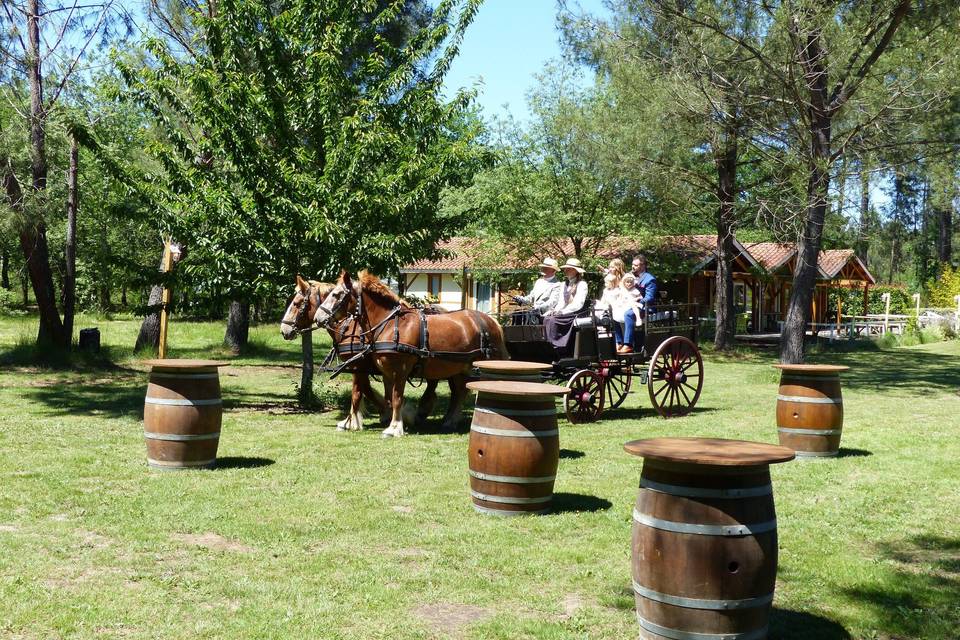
point(806, 400)
point(532, 413)
point(511, 433)
point(180, 437)
point(699, 492)
point(727, 530)
point(700, 603)
point(677, 634)
point(817, 454)
point(505, 512)
point(164, 464)
point(811, 432)
point(184, 402)
point(512, 479)
point(509, 499)
point(786, 378)
point(186, 376)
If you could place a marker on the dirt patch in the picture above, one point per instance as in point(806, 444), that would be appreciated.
point(272, 408)
point(399, 508)
point(450, 618)
point(9, 528)
point(93, 540)
point(410, 552)
point(571, 604)
point(212, 541)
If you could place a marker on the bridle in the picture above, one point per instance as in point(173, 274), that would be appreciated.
point(341, 300)
point(302, 310)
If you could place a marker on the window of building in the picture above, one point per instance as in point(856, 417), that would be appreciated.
point(433, 284)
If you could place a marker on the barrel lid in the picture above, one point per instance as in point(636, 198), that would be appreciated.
point(710, 451)
point(182, 363)
point(812, 368)
point(511, 365)
point(513, 388)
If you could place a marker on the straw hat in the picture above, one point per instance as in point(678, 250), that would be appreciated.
point(573, 263)
point(549, 263)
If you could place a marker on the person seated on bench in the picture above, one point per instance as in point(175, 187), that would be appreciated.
point(542, 298)
point(609, 295)
point(558, 322)
point(627, 313)
point(646, 284)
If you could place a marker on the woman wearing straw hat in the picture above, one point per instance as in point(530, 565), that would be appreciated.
point(558, 323)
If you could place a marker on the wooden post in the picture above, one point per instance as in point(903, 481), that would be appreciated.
point(956, 324)
point(916, 299)
point(866, 298)
point(886, 311)
point(165, 299)
point(839, 309)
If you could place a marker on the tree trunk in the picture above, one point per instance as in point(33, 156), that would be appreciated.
point(70, 244)
point(863, 230)
point(238, 326)
point(5, 269)
point(123, 295)
point(818, 185)
point(149, 335)
point(945, 234)
point(306, 372)
point(726, 324)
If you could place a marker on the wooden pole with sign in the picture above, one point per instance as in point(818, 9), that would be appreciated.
point(165, 300)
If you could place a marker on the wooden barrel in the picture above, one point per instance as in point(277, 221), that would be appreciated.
point(704, 538)
point(516, 370)
point(514, 447)
point(810, 409)
point(182, 414)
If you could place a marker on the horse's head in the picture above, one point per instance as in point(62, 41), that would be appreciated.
point(307, 298)
point(339, 303)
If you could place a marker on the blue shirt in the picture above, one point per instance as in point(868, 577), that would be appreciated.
point(647, 285)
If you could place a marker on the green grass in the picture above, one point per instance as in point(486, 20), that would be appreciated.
point(308, 533)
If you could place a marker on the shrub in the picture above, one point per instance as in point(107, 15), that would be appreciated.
point(944, 287)
point(900, 300)
point(7, 300)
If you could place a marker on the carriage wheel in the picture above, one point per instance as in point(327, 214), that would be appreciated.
point(584, 403)
point(675, 377)
point(616, 387)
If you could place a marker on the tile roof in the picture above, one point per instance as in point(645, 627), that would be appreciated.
point(459, 252)
point(771, 255)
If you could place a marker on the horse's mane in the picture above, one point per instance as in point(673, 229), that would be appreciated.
point(374, 287)
point(323, 288)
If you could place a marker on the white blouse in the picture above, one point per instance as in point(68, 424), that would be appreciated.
point(574, 297)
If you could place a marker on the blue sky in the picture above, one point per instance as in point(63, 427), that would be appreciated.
point(507, 43)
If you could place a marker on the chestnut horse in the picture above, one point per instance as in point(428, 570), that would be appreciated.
point(308, 295)
point(404, 341)
point(298, 318)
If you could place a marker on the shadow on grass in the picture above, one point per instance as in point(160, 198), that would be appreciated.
point(846, 452)
point(798, 625)
point(917, 597)
point(242, 462)
point(639, 413)
point(577, 503)
point(897, 371)
point(571, 454)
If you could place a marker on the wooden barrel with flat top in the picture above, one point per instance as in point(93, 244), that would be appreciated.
point(810, 409)
point(514, 447)
point(182, 414)
point(704, 538)
point(516, 370)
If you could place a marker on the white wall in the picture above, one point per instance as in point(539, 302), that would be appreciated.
point(450, 294)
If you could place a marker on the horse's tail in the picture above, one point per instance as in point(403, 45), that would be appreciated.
point(498, 346)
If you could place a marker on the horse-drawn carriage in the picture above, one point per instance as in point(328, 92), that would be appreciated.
point(666, 360)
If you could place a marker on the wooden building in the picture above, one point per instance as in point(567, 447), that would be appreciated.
point(685, 267)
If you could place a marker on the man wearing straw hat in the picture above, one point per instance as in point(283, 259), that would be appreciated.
point(558, 323)
point(544, 295)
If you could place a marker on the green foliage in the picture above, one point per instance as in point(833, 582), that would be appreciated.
point(901, 301)
point(7, 300)
point(301, 139)
point(942, 290)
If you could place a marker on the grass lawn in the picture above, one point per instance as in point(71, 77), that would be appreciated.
point(303, 532)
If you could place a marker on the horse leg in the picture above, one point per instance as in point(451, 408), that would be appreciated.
point(375, 398)
point(458, 392)
point(427, 400)
point(397, 382)
point(354, 420)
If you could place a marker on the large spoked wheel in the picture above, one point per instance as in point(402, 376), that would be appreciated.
point(617, 386)
point(675, 377)
point(584, 403)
